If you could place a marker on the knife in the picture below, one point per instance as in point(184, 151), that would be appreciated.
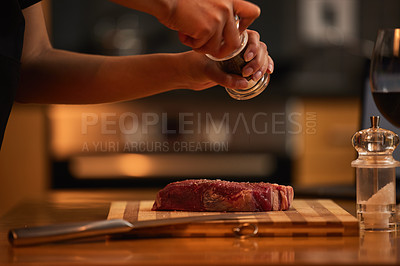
point(60, 232)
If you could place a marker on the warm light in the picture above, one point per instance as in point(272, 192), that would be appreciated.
point(396, 42)
point(169, 165)
point(122, 165)
point(134, 165)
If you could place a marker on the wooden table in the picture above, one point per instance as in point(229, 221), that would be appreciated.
point(64, 206)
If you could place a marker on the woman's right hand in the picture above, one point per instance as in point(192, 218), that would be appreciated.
point(209, 26)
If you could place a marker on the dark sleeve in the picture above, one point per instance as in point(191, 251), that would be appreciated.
point(27, 3)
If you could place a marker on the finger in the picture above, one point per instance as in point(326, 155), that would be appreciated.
point(224, 79)
point(213, 45)
point(231, 38)
point(271, 65)
point(258, 61)
point(199, 40)
point(261, 72)
point(252, 45)
point(247, 12)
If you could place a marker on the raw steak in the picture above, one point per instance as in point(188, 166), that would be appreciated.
point(221, 196)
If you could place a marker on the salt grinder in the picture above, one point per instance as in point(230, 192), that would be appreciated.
point(234, 63)
point(375, 177)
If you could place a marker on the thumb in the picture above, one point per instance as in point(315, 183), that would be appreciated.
point(224, 79)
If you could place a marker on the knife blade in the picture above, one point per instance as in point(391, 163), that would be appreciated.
point(69, 231)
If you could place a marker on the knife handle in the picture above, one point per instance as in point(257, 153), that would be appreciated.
point(69, 231)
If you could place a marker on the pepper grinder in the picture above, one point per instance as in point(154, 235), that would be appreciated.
point(234, 63)
point(376, 177)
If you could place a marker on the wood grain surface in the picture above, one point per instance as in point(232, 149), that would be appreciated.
point(369, 248)
point(304, 218)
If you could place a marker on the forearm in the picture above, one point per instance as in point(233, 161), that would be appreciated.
point(65, 77)
point(54, 76)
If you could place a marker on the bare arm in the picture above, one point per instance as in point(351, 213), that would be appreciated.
point(53, 76)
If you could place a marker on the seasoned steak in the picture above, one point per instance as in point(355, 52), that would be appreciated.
point(223, 196)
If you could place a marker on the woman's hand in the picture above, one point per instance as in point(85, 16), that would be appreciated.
point(209, 26)
point(202, 72)
point(256, 54)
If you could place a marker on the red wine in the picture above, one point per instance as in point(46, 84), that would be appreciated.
point(388, 104)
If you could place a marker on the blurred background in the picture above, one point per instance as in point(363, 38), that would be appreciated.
point(297, 132)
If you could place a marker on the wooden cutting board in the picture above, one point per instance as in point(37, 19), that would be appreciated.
point(305, 218)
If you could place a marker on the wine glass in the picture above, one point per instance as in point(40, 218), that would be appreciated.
point(385, 74)
point(385, 87)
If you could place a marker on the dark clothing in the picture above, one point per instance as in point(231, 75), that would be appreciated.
point(12, 26)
